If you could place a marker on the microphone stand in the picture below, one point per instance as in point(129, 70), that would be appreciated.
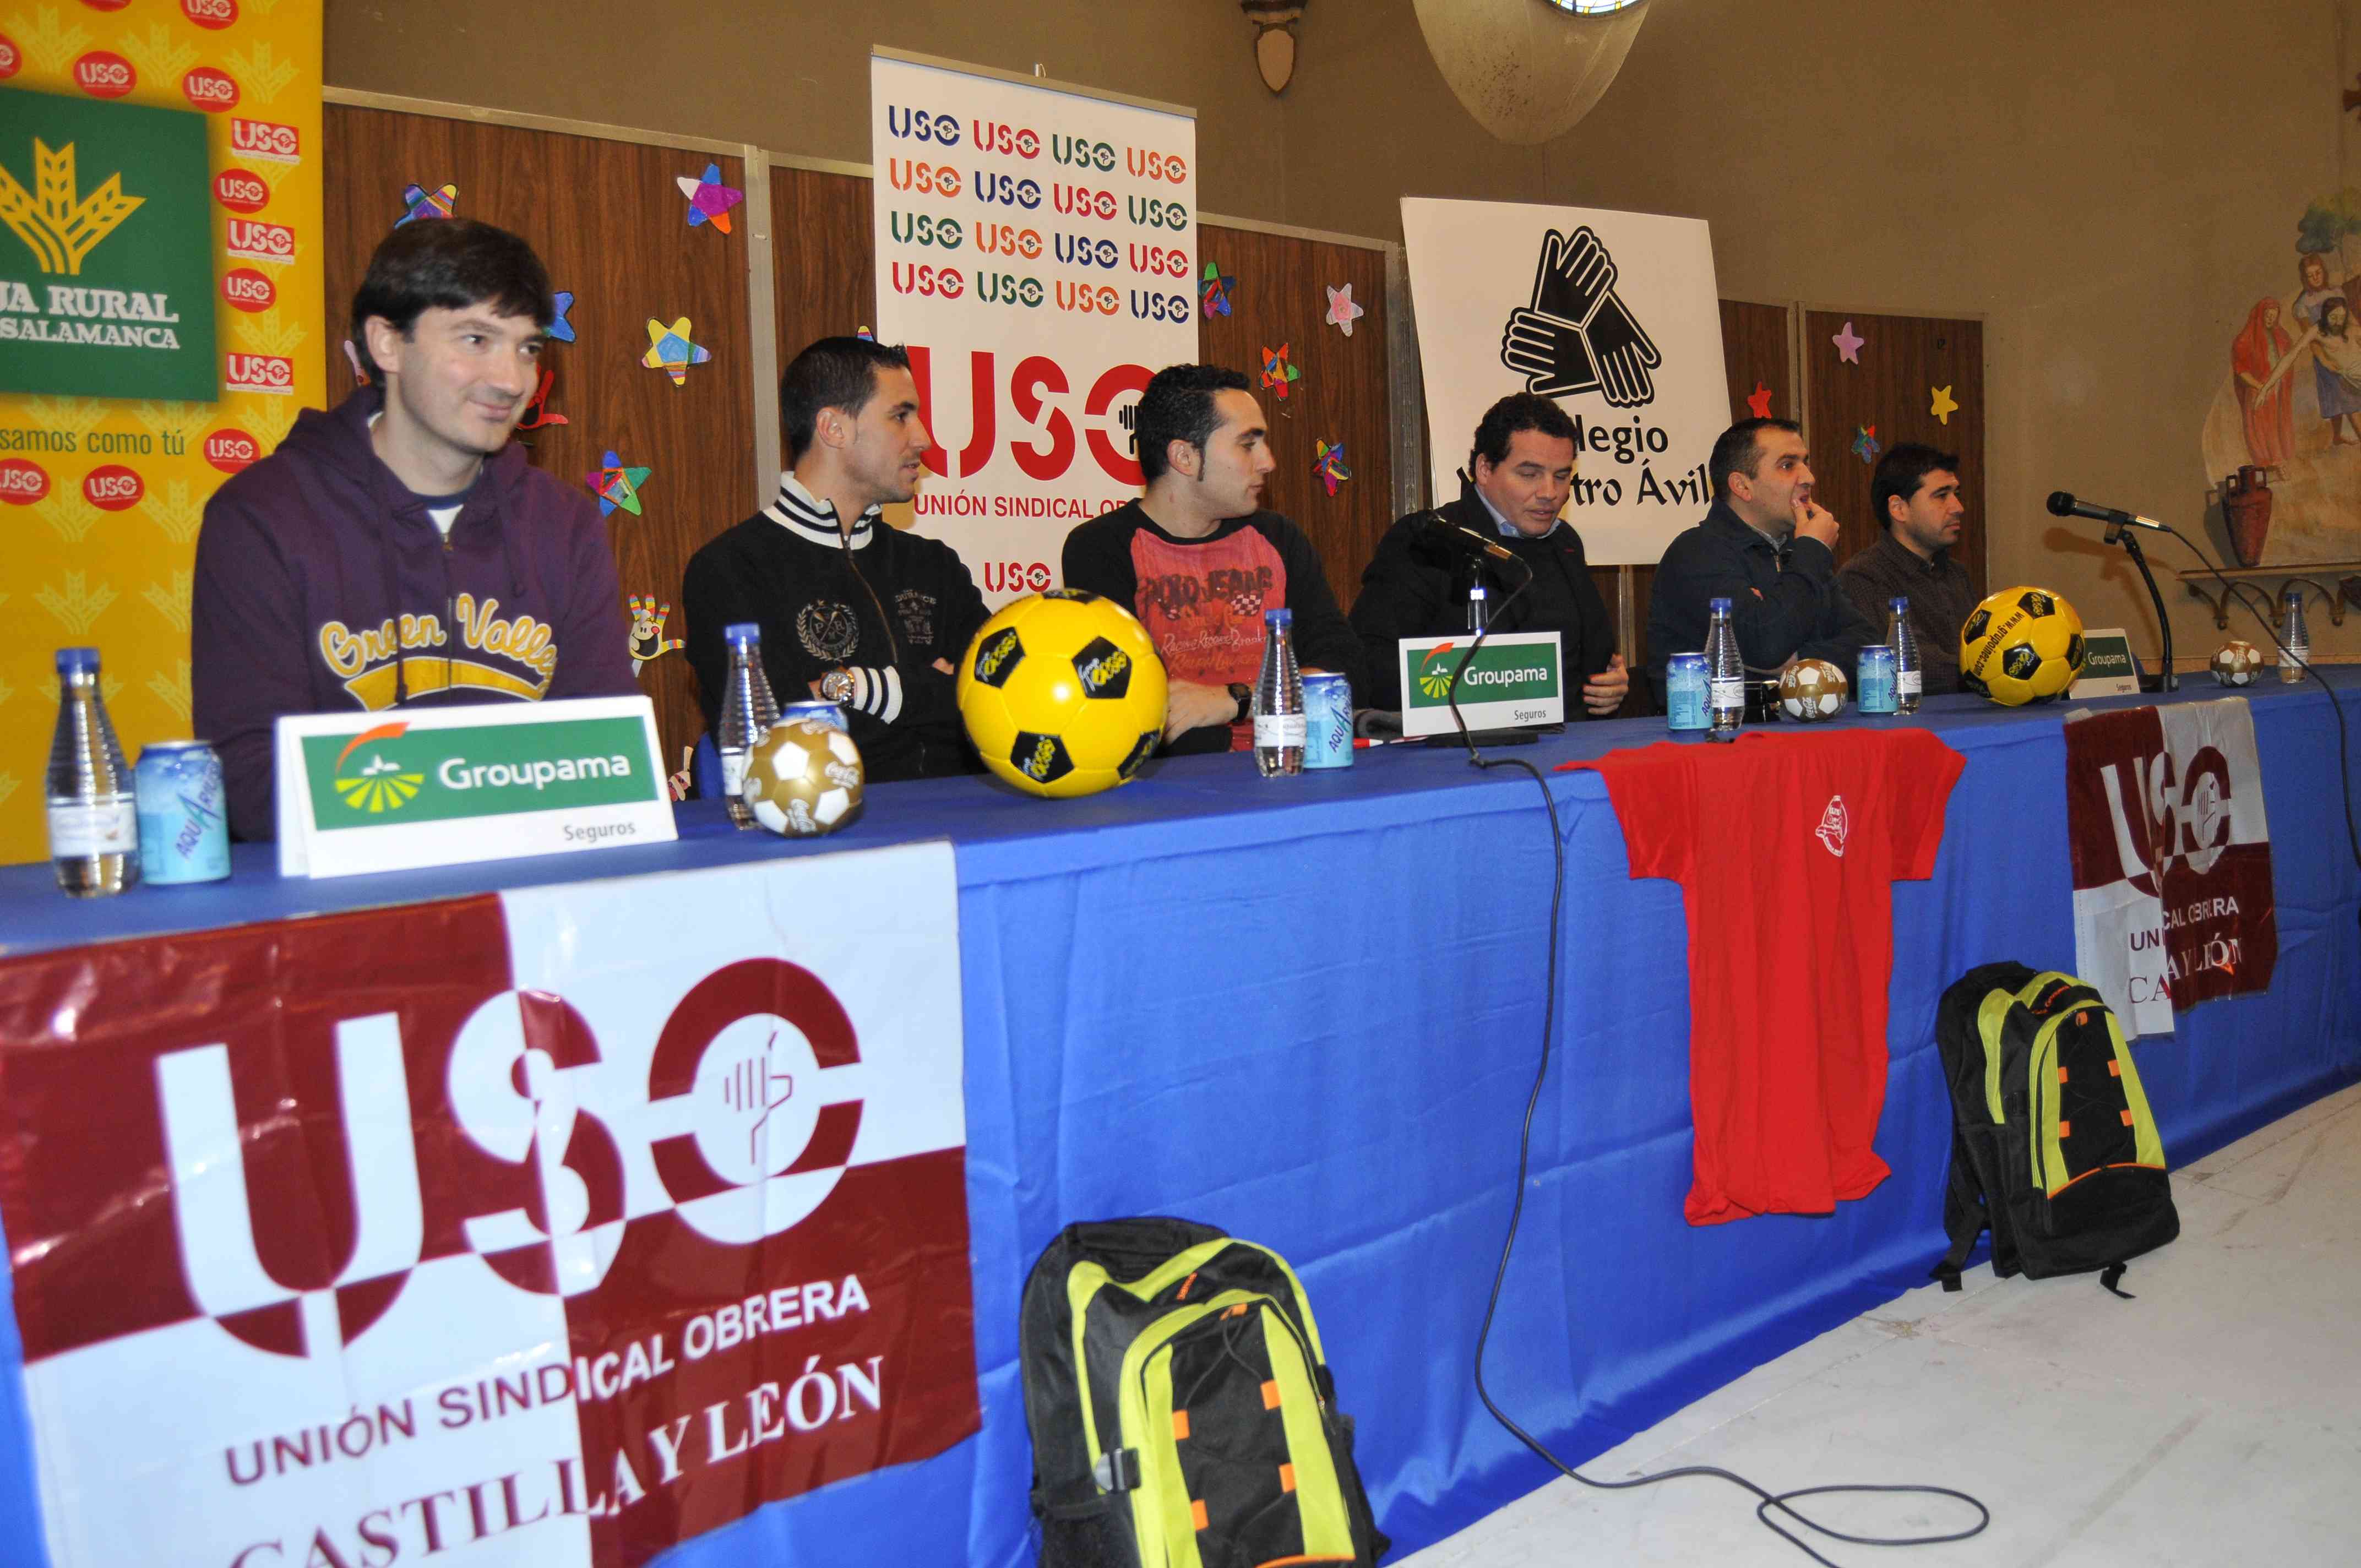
point(2168, 680)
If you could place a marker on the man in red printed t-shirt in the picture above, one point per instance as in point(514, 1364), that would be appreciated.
point(1198, 561)
point(1785, 848)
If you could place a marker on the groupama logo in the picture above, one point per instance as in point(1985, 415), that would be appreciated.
point(1433, 676)
point(379, 784)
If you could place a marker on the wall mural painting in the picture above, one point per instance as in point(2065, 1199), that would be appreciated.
point(2282, 442)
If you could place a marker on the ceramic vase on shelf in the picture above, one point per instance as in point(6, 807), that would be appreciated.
point(2246, 508)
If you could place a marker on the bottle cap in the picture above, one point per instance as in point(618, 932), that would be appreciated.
point(741, 631)
point(1718, 604)
point(1279, 617)
point(77, 661)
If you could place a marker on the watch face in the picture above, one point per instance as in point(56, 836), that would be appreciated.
point(836, 686)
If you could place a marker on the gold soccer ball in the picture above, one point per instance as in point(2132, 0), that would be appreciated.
point(1063, 694)
point(804, 779)
point(2238, 663)
point(1811, 690)
point(2021, 645)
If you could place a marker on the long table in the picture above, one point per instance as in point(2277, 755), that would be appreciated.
point(1310, 1010)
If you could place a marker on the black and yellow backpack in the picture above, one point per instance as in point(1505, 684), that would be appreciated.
point(2053, 1145)
point(1181, 1410)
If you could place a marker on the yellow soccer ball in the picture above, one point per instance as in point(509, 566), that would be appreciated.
point(804, 779)
point(2021, 645)
point(1811, 690)
point(1063, 694)
point(2237, 662)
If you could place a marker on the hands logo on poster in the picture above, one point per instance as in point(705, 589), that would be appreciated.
point(1576, 335)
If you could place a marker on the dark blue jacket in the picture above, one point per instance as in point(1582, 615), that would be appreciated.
point(1784, 603)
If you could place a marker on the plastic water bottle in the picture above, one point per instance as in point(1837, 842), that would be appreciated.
point(2298, 639)
point(748, 711)
point(1279, 727)
point(1725, 675)
point(1903, 641)
point(1478, 609)
point(94, 814)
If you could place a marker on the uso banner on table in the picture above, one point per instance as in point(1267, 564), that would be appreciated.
point(1615, 315)
point(160, 307)
point(1036, 251)
point(550, 1228)
point(2172, 859)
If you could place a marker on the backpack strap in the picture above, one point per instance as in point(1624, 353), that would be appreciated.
point(1963, 1214)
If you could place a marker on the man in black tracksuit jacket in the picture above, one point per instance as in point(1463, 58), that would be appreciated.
point(860, 613)
point(1417, 583)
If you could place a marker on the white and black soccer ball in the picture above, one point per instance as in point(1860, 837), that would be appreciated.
point(804, 779)
point(1811, 690)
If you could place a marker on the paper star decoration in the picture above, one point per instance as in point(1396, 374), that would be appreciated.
point(709, 199)
point(1342, 312)
point(1214, 291)
point(352, 358)
point(865, 336)
point(1278, 375)
point(1760, 403)
point(559, 327)
point(1945, 406)
point(1849, 344)
point(681, 779)
point(617, 485)
point(670, 350)
point(538, 415)
point(1328, 462)
point(1864, 445)
point(426, 204)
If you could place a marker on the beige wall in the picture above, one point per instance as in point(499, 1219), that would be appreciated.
point(2109, 183)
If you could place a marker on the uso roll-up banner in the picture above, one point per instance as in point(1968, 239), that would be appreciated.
point(160, 325)
point(551, 1228)
point(1036, 251)
point(1614, 314)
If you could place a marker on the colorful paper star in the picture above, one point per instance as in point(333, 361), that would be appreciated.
point(617, 485)
point(1278, 375)
point(1945, 406)
point(352, 358)
point(681, 779)
point(560, 328)
point(1864, 445)
point(1342, 312)
point(670, 350)
point(1849, 344)
point(709, 199)
point(537, 413)
point(1214, 291)
point(1328, 462)
point(1760, 403)
point(865, 336)
point(426, 204)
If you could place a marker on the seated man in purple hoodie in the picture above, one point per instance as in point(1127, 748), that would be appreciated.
point(400, 551)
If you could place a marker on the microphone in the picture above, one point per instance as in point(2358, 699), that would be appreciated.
point(1443, 531)
point(2062, 504)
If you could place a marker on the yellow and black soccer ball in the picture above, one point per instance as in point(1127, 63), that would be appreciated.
point(2238, 663)
point(1063, 694)
point(2021, 645)
point(1811, 690)
point(804, 778)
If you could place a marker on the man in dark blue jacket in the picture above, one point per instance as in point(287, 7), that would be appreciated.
point(1769, 549)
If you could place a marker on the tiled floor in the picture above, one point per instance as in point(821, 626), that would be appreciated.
point(2215, 1420)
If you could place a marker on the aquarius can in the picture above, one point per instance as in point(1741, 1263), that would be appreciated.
point(1877, 691)
point(1328, 726)
point(1684, 694)
point(816, 711)
point(183, 825)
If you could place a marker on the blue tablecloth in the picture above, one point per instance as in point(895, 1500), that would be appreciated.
point(1308, 1010)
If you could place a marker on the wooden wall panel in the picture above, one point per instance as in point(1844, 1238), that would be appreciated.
point(1903, 360)
point(610, 223)
point(1755, 353)
point(823, 256)
point(1282, 299)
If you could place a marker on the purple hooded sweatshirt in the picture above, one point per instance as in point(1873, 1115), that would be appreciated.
point(323, 586)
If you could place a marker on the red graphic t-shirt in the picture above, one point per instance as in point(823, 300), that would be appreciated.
point(1203, 604)
point(1785, 848)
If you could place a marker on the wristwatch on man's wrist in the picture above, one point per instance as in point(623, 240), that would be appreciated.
point(1243, 694)
point(837, 686)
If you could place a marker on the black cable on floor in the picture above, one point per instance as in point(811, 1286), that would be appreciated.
point(1769, 1503)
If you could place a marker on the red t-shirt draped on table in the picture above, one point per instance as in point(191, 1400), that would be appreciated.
point(1785, 848)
